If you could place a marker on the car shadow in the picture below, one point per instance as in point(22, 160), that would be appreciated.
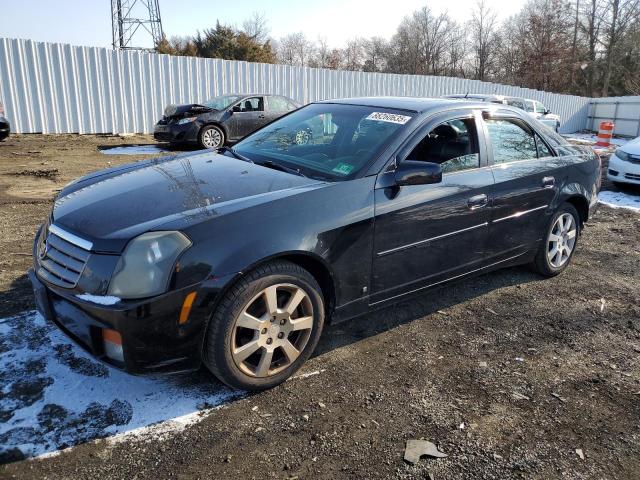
point(420, 305)
point(56, 395)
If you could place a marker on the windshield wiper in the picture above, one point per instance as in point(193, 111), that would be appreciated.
point(282, 168)
point(235, 154)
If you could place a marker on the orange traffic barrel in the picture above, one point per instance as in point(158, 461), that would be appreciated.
point(604, 134)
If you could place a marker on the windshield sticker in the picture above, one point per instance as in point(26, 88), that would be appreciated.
point(343, 168)
point(389, 117)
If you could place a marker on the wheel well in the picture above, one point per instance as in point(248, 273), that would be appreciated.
point(220, 126)
point(320, 272)
point(582, 206)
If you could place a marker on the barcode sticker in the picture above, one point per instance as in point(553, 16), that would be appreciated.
point(389, 117)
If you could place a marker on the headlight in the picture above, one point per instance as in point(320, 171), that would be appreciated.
point(182, 121)
point(621, 155)
point(145, 267)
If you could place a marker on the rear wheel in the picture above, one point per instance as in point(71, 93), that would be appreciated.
point(211, 136)
point(560, 241)
point(265, 327)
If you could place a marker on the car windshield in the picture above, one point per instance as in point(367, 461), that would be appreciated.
point(325, 140)
point(222, 102)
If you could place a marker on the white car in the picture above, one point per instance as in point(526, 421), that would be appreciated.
point(534, 108)
point(537, 110)
point(624, 163)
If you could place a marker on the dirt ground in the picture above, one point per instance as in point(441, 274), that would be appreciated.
point(508, 374)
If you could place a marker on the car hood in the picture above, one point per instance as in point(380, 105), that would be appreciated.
point(111, 207)
point(632, 147)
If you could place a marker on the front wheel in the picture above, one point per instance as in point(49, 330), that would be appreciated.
point(560, 241)
point(211, 136)
point(265, 327)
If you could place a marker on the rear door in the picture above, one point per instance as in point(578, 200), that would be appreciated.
point(425, 234)
point(523, 168)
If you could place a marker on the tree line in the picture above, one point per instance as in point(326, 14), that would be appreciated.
point(582, 47)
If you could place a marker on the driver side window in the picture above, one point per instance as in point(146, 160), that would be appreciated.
point(452, 144)
point(254, 104)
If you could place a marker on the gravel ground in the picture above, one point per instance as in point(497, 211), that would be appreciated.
point(507, 373)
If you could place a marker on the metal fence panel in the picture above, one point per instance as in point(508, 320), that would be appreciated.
point(624, 112)
point(57, 88)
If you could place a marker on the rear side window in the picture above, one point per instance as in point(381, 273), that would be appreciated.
point(510, 141)
point(540, 108)
point(279, 104)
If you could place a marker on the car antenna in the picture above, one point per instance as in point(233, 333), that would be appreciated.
point(466, 95)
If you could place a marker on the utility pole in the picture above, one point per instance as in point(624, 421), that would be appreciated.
point(127, 16)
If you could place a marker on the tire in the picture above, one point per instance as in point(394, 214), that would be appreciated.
point(211, 136)
point(545, 262)
point(245, 304)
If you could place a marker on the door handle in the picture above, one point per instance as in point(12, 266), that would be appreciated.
point(261, 115)
point(477, 201)
point(548, 182)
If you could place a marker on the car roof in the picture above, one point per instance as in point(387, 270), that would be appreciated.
point(475, 95)
point(414, 104)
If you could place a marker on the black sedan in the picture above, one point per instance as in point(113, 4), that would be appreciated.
point(236, 259)
point(221, 120)
point(5, 128)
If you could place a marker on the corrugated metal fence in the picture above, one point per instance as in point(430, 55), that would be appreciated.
point(624, 112)
point(59, 88)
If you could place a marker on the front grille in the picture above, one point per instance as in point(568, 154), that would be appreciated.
point(59, 261)
point(632, 176)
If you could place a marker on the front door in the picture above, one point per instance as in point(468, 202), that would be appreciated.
point(248, 116)
point(425, 234)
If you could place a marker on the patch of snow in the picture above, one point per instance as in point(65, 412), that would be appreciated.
point(620, 200)
point(135, 150)
point(73, 398)
point(591, 138)
point(99, 299)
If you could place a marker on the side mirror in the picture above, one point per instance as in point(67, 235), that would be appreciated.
point(236, 108)
point(414, 172)
point(547, 112)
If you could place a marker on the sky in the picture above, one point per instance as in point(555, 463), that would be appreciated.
point(88, 22)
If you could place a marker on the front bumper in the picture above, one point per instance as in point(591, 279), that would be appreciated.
point(175, 133)
point(153, 341)
point(622, 171)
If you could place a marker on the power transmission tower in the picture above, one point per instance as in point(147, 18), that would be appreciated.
point(127, 16)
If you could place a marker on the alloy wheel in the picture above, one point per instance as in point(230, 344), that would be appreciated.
point(272, 330)
point(562, 240)
point(211, 138)
point(302, 137)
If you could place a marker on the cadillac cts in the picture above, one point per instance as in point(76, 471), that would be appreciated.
point(236, 258)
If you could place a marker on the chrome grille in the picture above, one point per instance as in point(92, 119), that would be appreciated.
point(60, 262)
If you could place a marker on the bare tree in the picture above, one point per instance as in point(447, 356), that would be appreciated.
point(483, 32)
point(374, 51)
point(295, 49)
point(622, 14)
point(257, 27)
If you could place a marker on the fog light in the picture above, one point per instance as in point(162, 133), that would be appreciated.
point(613, 172)
point(113, 345)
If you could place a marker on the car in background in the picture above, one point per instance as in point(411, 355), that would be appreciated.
point(537, 110)
point(222, 119)
point(534, 108)
point(236, 258)
point(478, 97)
point(624, 163)
point(5, 128)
